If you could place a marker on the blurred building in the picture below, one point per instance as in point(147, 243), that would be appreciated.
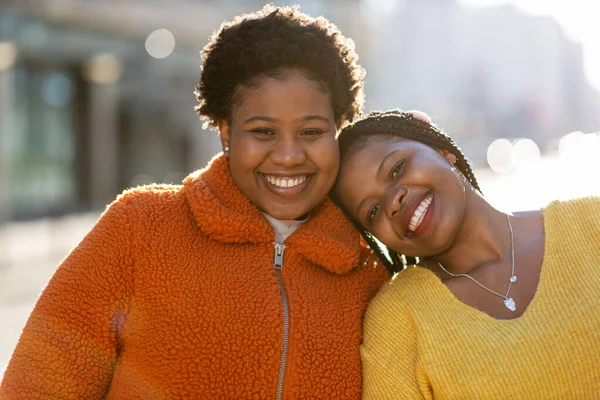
point(87, 111)
point(481, 73)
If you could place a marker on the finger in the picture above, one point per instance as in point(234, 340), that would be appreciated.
point(420, 115)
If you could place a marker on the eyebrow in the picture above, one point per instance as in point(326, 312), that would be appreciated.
point(379, 170)
point(301, 119)
point(362, 203)
point(311, 117)
point(260, 118)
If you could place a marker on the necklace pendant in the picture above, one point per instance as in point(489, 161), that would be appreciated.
point(510, 304)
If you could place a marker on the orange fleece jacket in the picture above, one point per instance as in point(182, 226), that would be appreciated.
point(173, 294)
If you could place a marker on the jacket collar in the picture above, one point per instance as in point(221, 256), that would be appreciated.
point(225, 214)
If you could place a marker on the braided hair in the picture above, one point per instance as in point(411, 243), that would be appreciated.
point(404, 125)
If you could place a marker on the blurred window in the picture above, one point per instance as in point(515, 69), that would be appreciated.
point(41, 147)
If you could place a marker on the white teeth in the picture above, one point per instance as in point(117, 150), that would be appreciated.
point(285, 182)
point(419, 214)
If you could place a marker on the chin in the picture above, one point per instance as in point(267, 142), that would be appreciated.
point(284, 214)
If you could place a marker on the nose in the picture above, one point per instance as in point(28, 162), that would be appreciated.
point(288, 151)
point(394, 200)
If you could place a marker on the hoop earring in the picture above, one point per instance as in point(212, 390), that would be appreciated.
point(464, 178)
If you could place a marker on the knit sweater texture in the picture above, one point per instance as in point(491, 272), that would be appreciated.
point(421, 342)
point(174, 295)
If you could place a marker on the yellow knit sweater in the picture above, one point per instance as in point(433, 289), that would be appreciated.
point(423, 343)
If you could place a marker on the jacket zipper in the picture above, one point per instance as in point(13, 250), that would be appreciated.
point(278, 263)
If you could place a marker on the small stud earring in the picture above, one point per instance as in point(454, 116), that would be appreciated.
point(226, 149)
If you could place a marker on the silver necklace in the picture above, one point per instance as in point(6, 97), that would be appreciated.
point(508, 301)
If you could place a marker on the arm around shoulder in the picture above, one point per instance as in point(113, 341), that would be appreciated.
point(70, 344)
point(391, 368)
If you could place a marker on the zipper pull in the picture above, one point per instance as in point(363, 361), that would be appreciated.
point(279, 249)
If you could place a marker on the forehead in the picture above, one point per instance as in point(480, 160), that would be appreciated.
point(358, 172)
point(290, 92)
point(376, 147)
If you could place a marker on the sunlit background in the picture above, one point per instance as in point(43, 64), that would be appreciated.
point(97, 96)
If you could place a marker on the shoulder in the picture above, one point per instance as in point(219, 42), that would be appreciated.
point(400, 295)
point(583, 206)
point(148, 198)
point(142, 206)
point(150, 193)
point(406, 285)
point(582, 214)
point(572, 229)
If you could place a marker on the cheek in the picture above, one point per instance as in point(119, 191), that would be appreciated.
point(434, 172)
point(326, 156)
point(238, 172)
point(387, 236)
point(383, 231)
point(245, 153)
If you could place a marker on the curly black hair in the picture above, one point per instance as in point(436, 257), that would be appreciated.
point(271, 40)
point(405, 125)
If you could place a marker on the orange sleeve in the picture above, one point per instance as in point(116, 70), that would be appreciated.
point(69, 346)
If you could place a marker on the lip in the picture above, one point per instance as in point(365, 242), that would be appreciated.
point(286, 192)
point(410, 210)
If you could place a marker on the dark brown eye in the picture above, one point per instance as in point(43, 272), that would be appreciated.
point(372, 213)
point(263, 133)
point(311, 133)
point(397, 169)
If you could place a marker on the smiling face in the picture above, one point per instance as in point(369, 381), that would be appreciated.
point(405, 193)
point(283, 151)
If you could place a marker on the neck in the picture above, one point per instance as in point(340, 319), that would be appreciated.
point(483, 238)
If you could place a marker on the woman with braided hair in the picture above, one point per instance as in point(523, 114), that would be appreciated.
point(500, 305)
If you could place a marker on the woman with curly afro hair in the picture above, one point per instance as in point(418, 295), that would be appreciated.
point(243, 282)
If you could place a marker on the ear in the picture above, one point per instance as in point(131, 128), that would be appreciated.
point(224, 132)
point(451, 157)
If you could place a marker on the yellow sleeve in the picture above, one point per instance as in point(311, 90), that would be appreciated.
point(390, 353)
point(69, 346)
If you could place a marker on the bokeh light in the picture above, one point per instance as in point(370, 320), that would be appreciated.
point(8, 55)
point(103, 69)
point(577, 147)
point(500, 156)
point(525, 152)
point(160, 43)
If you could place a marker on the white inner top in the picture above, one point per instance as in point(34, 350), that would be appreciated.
point(283, 229)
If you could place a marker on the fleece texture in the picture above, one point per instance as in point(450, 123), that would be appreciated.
point(421, 342)
point(173, 294)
